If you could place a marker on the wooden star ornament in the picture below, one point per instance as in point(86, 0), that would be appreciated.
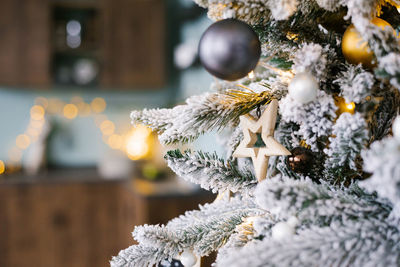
point(265, 125)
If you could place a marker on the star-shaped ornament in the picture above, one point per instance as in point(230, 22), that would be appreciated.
point(265, 125)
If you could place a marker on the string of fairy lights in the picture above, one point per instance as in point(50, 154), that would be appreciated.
point(136, 143)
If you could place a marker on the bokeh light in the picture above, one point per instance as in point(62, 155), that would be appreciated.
point(15, 154)
point(2, 167)
point(70, 111)
point(42, 101)
point(115, 141)
point(107, 127)
point(251, 75)
point(350, 106)
point(98, 105)
point(36, 124)
point(33, 131)
point(73, 27)
point(98, 119)
point(23, 141)
point(138, 143)
point(37, 112)
point(55, 106)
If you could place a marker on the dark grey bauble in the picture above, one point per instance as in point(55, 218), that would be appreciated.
point(229, 49)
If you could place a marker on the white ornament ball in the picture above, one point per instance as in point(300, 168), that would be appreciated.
point(396, 128)
point(188, 259)
point(282, 231)
point(303, 88)
point(293, 221)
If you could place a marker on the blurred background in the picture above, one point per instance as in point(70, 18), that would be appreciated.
point(75, 175)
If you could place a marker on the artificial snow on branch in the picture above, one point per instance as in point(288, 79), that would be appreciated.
point(383, 161)
point(204, 231)
point(282, 9)
point(349, 137)
point(250, 11)
point(138, 256)
point(315, 119)
point(311, 58)
point(390, 66)
point(355, 83)
point(200, 114)
point(210, 171)
point(367, 243)
point(319, 204)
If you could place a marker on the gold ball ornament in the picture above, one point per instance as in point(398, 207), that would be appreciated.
point(356, 50)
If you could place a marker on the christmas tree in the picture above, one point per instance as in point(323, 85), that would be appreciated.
point(311, 175)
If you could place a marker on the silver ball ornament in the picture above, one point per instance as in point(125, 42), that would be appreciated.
point(303, 88)
point(188, 259)
point(229, 49)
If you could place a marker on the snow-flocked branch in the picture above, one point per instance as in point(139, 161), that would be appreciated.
point(350, 136)
point(200, 114)
point(210, 171)
point(203, 230)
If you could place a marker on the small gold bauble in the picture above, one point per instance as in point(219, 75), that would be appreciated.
point(356, 50)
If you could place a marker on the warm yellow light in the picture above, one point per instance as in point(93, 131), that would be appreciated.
point(2, 167)
point(285, 76)
point(340, 102)
point(138, 143)
point(107, 127)
point(98, 119)
point(36, 124)
point(42, 101)
point(141, 132)
point(37, 112)
point(15, 154)
point(22, 141)
point(55, 106)
point(292, 36)
point(33, 131)
point(70, 111)
point(251, 74)
point(350, 106)
point(98, 105)
point(76, 99)
point(137, 149)
point(84, 109)
point(115, 141)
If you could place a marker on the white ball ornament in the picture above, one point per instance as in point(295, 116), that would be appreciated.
point(282, 231)
point(303, 88)
point(293, 221)
point(396, 128)
point(188, 259)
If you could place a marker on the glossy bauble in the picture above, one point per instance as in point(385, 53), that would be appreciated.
point(172, 263)
point(229, 49)
point(188, 259)
point(356, 50)
point(301, 160)
point(303, 88)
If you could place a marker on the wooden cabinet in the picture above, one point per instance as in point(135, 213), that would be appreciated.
point(134, 33)
point(126, 43)
point(25, 43)
point(75, 219)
